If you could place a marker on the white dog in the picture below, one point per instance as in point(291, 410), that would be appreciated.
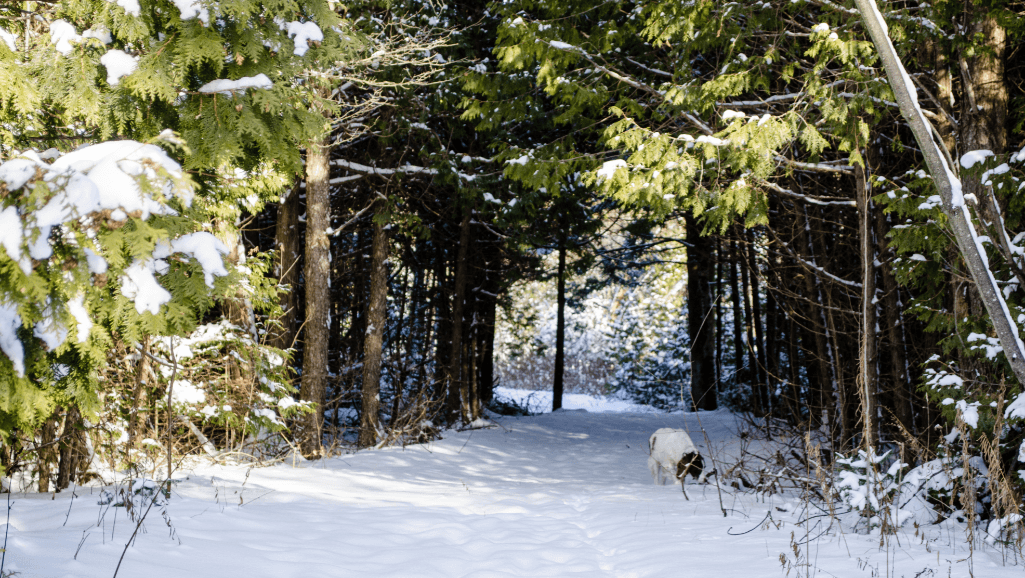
point(673, 456)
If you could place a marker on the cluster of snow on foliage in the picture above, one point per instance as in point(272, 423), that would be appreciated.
point(62, 34)
point(226, 87)
point(304, 33)
point(103, 177)
point(130, 6)
point(192, 9)
point(9, 39)
point(118, 64)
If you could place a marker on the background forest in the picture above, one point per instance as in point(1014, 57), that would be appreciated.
point(242, 227)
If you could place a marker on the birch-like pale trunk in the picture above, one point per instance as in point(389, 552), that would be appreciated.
point(949, 187)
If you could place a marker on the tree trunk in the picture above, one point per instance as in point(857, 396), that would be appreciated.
point(316, 274)
point(457, 386)
point(752, 362)
point(700, 327)
point(286, 237)
point(70, 449)
point(487, 353)
point(902, 406)
point(756, 320)
point(822, 401)
point(560, 326)
point(738, 312)
point(373, 344)
point(867, 357)
point(718, 310)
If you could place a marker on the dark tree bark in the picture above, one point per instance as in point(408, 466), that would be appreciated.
point(318, 295)
point(287, 239)
point(762, 392)
point(821, 403)
point(737, 297)
point(902, 388)
point(458, 394)
point(374, 342)
point(700, 327)
point(560, 327)
point(71, 452)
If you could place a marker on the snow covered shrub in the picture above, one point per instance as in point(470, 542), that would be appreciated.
point(229, 392)
point(871, 491)
point(228, 382)
point(100, 244)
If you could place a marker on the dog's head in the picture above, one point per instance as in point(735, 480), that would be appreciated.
point(692, 464)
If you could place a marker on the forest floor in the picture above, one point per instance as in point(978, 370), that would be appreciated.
point(558, 494)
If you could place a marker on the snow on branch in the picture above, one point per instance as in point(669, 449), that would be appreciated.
point(407, 169)
point(106, 182)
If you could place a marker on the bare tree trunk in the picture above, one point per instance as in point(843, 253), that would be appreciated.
point(756, 321)
point(70, 449)
point(457, 393)
point(752, 362)
point(822, 404)
point(867, 357)
point(902, 388)
point(560, 326)
point(286, 237)
point(47, 456)
point(738, 312)
point(373, 344)
point(317, 274)
point(700, 327)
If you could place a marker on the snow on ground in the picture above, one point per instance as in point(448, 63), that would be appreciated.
point(559, 494)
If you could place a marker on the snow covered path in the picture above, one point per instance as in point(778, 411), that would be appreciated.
point(564, 494)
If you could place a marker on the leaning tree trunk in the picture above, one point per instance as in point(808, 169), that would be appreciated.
point(700, 326)
point(373, 344)
point(317, 274)
point(951, 194)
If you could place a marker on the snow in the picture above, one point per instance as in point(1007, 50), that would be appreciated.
point(609, 168)
point(562, 45)
point(969, 412)
point(971, 158)
point(208, 250)
point(820, 27)
point(62, 34)
point(113, 168)
point(130, 6)
point(304, 33)
point(10, 322)
point(731, 114)
point(10, 237)
point(9, 39)
point(118, 64)
point(140, 285)
point(560, 494)
point(99, 33)
point(184, 391)
point(84, 324)
point(191, 9)
point(226, 87)
point(713, 140)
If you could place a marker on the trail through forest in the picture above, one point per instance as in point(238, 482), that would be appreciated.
point(559, 494)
